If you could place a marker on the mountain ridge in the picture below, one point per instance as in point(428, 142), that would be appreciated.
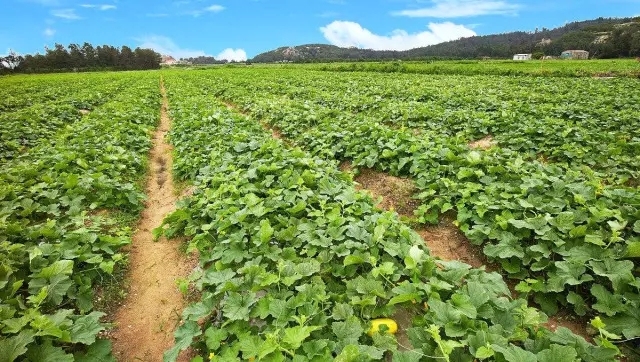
point(602, 37)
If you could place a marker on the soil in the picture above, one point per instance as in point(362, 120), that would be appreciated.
point(484, 143)
point(576, 326)
point(145, 322)
point(444, 240)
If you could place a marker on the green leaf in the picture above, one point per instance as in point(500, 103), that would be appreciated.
point(237, 306)
point(14, 347)
point(406, 292)
point(349, 331)
point(353, 260)
point(97, 352)
point(558, 353)
point(564, 221)
point(579, 305)
point(608, 303)
point(342, 311)
point(371, 352)
point(514, 353)
point(633, 249)
point(627, 323)
point(594, 239)
point(315, 347)
point(213, 337)
point(484, 352)
point(407, 356)
point(293, 337)
point(578, 231)
point(463, 304)
point(85, 328)
point(47, 353)
point(266, 231)
point(618, 271)
point(184, 336)
point(350, 353)
point(250, 345)
point(267, 347)
point(64, 267)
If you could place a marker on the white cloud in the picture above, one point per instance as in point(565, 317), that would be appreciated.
point(238, 55)
point(69, 14)
point(348, 34)
point(166, 46)
point(99, 7)
point(208, 9)
point(462, 8)
point(214, 8)
point(49, 32)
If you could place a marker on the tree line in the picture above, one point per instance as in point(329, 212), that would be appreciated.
point(81, 58)
point(204, 60)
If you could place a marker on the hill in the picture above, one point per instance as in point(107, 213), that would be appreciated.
point(602, 37)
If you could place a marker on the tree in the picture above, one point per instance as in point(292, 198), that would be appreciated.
point(126, 59)
point(107, 56)
point(58, 57)
point(90, 56)
point(76, 57)
point(11, 61)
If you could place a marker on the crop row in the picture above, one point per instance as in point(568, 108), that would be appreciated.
point(55, 106)
point(546, 68)
point(574, 121)
point(563, 232)
point(295, 263)
point(59, 236)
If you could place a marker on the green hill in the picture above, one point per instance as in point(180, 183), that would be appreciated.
point(602, 37)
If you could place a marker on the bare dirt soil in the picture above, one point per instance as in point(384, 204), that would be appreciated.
point(145, 322)
point(484, 143)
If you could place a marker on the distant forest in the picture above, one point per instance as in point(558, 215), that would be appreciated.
point(602, 37)
point(81, 58)
point(204, 60)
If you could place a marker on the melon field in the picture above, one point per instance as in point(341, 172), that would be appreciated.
point(311, 214)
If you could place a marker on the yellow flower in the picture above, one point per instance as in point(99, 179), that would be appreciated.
point(211, 355)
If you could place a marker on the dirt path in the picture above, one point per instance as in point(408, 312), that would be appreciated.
point(146, 320)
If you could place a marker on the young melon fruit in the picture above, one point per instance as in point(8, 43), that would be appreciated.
point(392, 326)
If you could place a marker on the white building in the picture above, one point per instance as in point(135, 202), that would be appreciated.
point(522, 57)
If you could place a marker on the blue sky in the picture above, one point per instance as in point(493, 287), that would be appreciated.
point(236, 29)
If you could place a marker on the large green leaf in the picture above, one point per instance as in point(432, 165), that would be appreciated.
point(86, 328)
point(14, 347)
point(48, 353)
point(237, 306)
point(100, 351)
point(295, 336)
point(184, 336)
